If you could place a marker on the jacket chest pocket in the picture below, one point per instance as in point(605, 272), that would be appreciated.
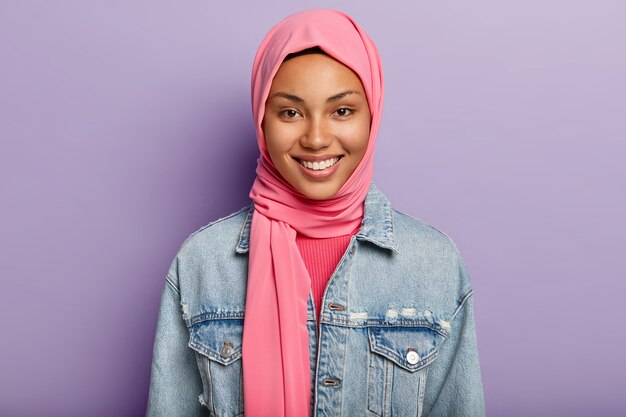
point(217, 344)
point(398, 365)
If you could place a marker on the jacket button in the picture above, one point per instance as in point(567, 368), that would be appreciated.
point(227, 350)
point(412, 357)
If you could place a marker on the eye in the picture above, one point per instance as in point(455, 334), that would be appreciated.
point(289, 113)
point(343, 112)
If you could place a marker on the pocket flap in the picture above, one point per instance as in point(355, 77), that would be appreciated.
point(411, 348)
point(220, 340)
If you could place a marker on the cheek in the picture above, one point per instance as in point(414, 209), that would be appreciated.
point(278, 136)
point(273, 139)
point(279, 143)
point(357, 137)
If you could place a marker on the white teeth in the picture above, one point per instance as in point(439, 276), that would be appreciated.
point(319, 165)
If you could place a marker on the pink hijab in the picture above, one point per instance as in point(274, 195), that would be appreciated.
point(276, 361)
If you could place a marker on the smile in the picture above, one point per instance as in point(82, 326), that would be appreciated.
point(319, 165)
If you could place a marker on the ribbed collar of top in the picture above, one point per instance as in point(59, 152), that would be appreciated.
point(376, 227)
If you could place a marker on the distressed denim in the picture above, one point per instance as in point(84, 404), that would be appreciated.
point(396, 335)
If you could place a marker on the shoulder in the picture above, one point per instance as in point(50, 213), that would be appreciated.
point(210, 243)
point(218, 232)
point(422, 233)
point(427, 243)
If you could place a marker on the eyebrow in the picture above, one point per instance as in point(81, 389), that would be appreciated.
point(330, 99)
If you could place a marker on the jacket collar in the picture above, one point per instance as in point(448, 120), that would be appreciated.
point(376, 227)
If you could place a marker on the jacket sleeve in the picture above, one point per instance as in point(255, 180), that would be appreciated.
point(175, 382)
point(453, 384)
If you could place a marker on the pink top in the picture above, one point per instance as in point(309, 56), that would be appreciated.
point(321, 256)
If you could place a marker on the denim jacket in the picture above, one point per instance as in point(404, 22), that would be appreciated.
point(396, 335)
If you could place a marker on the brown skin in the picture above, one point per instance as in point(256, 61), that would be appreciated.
point(316, 108)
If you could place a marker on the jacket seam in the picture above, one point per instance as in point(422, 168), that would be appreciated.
point(221, 219)
point(459, 307)
point(462, 303)
point(425, 223)
point(171, 284)
point(249, 209)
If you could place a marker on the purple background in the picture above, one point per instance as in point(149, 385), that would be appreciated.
point(125, 126)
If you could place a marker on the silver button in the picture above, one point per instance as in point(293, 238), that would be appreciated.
point(412, 357)
point(227, 350)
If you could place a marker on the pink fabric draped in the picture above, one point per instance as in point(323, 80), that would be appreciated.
point(276, 361)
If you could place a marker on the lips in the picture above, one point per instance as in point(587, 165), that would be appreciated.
point(319, 168)
point(327, 159)
point(319, 164)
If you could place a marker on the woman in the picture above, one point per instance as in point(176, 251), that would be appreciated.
point(318, 298)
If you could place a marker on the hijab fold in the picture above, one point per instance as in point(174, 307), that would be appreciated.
point(276, 357)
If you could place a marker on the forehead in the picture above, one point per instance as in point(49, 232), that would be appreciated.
point(314, 72)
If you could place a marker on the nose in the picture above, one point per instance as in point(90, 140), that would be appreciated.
point(316, 135)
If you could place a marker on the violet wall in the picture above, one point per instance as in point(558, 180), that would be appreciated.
point(125, 126)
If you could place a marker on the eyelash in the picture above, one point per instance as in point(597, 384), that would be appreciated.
point(284, 113)
point(349, 112)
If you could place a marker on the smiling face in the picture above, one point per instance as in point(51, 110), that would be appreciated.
point(316, 124)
